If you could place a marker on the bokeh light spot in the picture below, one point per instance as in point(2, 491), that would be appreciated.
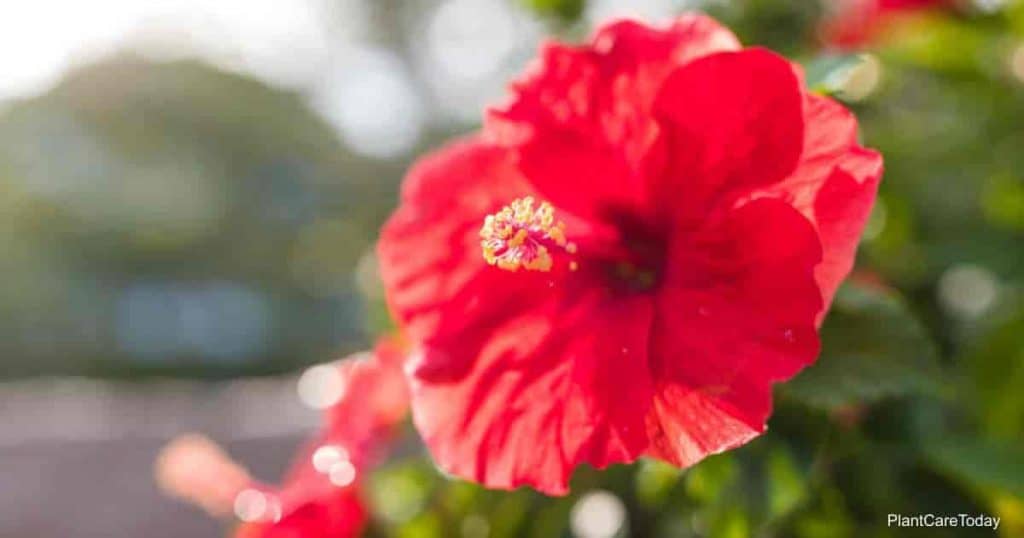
point(251, 505)
point(342, 473)
point(598, 514)
point(321, 386)
point(967, 291)
point(374, 103)
point(327, 456)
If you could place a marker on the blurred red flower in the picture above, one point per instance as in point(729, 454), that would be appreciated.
point(701, 210)
point(307, 506)
point(321, 494)
point(856, 23)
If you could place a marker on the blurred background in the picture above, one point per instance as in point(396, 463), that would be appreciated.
point(190, 192)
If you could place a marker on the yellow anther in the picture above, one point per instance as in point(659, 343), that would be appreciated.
point(520, 235)
point(518, 239)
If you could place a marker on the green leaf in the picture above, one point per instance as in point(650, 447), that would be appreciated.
point(827, 74)
point(787, 485)
point(423, 526)
point(996, 366)
point(980, 463)
point(399, 491)
point(508, 516)
point(872, 348)
point(706, 482)
point(927, 39)
point(1002, 201)
point(654, 481)
point(734, 523)
point(828, 518)
point(566, 10)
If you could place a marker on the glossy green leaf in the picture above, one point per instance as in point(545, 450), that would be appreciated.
point(980, 463)
point(872, 348)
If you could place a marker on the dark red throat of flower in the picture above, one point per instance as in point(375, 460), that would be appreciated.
point(523, 236)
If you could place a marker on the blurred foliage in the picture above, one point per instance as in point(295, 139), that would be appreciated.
point(565, 10)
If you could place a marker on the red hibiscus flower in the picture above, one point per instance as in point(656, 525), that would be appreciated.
point(321, 494)
point(856, 23)
point(639, 243)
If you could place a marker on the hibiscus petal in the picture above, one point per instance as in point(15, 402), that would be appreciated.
point(841, 211)
point(731, 122)
point(564, 384)
point(581, 116)
point(834, 186)
point(685, 39)
point(734, 314)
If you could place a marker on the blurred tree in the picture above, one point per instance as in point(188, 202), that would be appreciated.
point(168, 216)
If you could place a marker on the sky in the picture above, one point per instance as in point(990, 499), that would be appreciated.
point(462, 53)
point(41, 39)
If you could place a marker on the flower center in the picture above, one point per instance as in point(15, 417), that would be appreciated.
point(520, 235)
